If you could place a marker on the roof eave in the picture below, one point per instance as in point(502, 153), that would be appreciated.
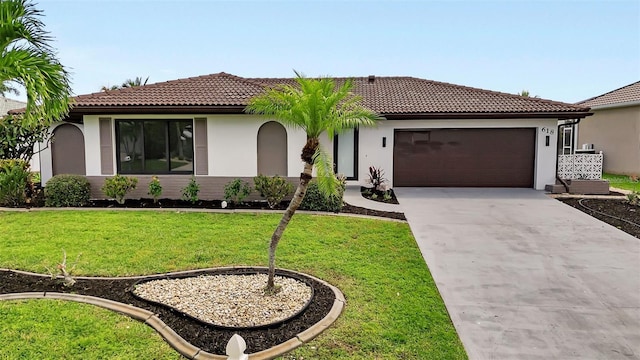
point(501, 115)
point(157, 109)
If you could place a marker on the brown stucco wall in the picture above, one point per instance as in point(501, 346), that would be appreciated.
point(615, 132)
point(211, 187)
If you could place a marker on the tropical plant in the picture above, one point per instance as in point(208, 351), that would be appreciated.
point(27, 59)
point(18, 137)
point(274, 189)
point(126, 84)
point(190, 192)
point(525, 93)
point(236, 191)
point(118, 186)
point(376, 178)
point(316, 200)
point(14, 179)
point(315, 106)
point(155, 189)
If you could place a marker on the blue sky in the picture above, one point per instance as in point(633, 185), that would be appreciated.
point(561, 50)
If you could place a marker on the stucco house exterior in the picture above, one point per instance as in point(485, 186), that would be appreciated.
point(433, 134)
point(614, 128)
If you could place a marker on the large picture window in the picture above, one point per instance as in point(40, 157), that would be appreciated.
point(154, 146)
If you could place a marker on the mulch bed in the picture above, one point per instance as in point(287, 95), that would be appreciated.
point(377, 195)
point(207, 337)
point(216, 204)
point(620, 209)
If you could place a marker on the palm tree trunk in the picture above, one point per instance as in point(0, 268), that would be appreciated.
point(305, 178)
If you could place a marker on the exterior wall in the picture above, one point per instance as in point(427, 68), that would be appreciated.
point(211, 187)
point(615, 132)
point(231, 153)
point(371, 152)
point(232, 150)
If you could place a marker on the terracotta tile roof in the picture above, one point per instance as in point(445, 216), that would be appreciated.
point(625, 94)
point(385, 95)
point(220, 89)
point(404, 95)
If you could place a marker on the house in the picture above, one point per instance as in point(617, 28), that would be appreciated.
point(9, 104)
point(434, 134)
point(614, 128)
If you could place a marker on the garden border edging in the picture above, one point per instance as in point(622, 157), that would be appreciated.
point(176, 341)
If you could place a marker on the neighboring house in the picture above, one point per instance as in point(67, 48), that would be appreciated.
point(614, 128)
point(9, 104)
point(434, 134)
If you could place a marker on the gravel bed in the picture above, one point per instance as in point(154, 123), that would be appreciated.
point(229, 300)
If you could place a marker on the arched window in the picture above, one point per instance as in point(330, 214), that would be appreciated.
point(67, 150)
point(272, 149)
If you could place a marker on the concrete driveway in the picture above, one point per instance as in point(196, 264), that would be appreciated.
point(526, 277)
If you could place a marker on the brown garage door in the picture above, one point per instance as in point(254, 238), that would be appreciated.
point(464, 157)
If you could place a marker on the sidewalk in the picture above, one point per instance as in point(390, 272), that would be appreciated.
point(353, 197)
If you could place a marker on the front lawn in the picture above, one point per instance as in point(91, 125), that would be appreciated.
point(622, 182)
point(393, 307)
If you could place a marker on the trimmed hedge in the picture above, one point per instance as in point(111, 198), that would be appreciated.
point(67, 190)
point(314, 200)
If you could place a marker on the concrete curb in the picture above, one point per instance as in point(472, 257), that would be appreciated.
point(171, 337)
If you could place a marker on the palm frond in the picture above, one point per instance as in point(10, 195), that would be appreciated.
point(45, 81)
point(327, 182)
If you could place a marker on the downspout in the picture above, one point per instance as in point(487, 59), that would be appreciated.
point(564, 183)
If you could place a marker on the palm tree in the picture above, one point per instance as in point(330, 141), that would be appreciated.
point(126, 84)
point(135, 82)
point(27, 59)
point(315, 106)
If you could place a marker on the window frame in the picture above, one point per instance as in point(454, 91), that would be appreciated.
point(166, 123)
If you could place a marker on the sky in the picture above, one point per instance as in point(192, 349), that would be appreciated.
point(561, 50)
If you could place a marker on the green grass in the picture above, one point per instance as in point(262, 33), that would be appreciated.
point(50, 329)
point(622, 182)
point(393, 311)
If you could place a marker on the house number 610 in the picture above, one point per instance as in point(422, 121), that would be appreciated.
point(546, 130)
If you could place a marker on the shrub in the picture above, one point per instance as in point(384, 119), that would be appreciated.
point(190, 192)
point(236, 191)
point(155, 189)
point(118, 186)
point(634, 198)
point(274, 189)
point(67, 190)
point(14, 179)
point(316, 201)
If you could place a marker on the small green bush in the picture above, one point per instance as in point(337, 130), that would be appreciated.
point(634, 198)
point(316, 201)
point(118, 186)
point(236, 191)
point(14, 179)
point(67, 190)
point(190, 192)
point(274, 189)
point(155, 189)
